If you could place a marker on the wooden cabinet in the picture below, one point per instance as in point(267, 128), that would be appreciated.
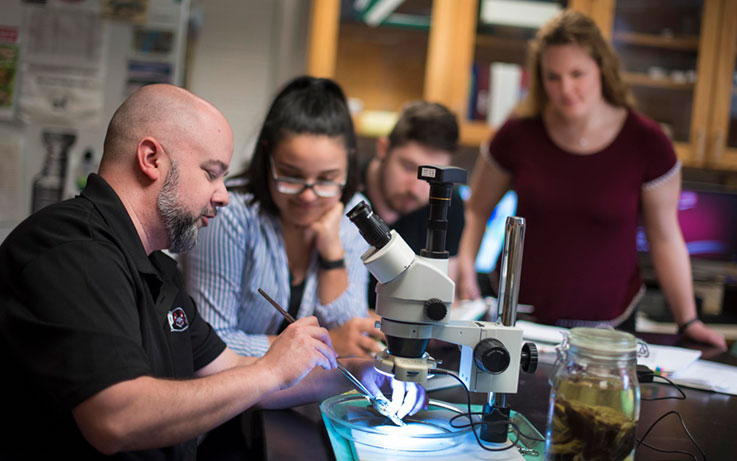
point(379, 67)
point(383, 67)
point(670, 52)
point(722, 133)
point(495, 68)
point(679, 57)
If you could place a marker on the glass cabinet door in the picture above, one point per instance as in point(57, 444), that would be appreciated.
point(498, 80)
point(723, 135)
point(381, 58)
point(667, 59)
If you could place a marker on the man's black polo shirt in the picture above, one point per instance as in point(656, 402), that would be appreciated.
point(82, 307)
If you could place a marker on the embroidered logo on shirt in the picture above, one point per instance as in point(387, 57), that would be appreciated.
point(177, 319)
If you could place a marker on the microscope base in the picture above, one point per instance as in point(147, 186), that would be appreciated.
point(497, 428)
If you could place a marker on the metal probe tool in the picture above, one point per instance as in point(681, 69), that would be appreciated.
point(379, 402)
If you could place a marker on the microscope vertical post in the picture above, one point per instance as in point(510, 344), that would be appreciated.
point(496, 410)
point(511, 266)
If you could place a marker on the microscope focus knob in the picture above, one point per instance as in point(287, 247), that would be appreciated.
point(435, 309)
point(491, 356)
point(528, 361)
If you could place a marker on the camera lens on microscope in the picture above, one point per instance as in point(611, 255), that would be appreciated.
point(373, 229)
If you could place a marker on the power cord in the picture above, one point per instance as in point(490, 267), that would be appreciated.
point(645, 375)
point(685, 429)
point(470, 414)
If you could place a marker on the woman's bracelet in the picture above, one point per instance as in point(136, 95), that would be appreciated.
point(682, 327)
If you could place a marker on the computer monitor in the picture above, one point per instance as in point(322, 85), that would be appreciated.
point(708, 222)
point(493, 240)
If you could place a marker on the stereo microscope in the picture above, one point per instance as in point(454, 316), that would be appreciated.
point(414, 296)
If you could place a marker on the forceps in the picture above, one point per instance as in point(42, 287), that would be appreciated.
point(379, 402)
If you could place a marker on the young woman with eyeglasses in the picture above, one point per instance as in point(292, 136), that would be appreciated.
point(285, 230)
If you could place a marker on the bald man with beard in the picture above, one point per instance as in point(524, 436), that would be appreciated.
point(105, 354)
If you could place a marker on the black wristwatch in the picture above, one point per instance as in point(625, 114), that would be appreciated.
point(328, 265)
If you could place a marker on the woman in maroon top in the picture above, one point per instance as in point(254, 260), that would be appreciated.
point(584, 165)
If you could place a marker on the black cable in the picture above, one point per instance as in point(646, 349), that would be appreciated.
point(470, 412)
point(473, 423)
point(685, 429)
point(677, 452)
point(517, 430)
point(675, 386)
point(644, 374)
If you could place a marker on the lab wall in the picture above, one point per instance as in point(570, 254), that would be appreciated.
point(234, 53)
point(242, 53)
point(116, 39)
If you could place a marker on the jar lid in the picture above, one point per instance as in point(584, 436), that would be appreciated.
point(604, 341)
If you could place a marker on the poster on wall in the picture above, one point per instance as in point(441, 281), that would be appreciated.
point(8, 70)
point(153, 52)
point(134, 11)
point(146, 72)
point(152, 42)
point(62, 65)
point(10, 174)
point(150, 59)
point(164, 13)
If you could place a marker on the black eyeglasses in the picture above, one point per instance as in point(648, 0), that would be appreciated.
point(295, 186)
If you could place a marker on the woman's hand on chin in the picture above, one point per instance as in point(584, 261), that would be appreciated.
point(327, 233)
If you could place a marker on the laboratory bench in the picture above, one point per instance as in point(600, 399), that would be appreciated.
point(299, 433)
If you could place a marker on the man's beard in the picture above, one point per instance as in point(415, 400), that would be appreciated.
point(180, 225)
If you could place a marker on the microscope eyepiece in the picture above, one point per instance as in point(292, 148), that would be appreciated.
point(373, 229)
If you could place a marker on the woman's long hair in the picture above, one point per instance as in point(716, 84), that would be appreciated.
point(573, 28)
point(306, 105)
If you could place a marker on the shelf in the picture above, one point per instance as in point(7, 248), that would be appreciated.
point(683, 152)
point(727, 160)
point(374, 123)
point(640, 79)
point(383, 70)
point(473, 134)
point(683, 43)
point(502, 42)
point(499, 49)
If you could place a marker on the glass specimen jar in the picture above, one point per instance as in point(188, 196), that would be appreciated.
point(595, 397)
